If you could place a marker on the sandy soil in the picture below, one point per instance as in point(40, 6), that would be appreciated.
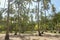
point(46, 36)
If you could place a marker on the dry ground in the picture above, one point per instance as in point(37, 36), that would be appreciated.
point(46, 36)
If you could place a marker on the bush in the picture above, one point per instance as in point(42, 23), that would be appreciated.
point(54, 31)
point(59, 31)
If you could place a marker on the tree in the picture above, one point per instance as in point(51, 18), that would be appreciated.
point(56, 20)
point(18, 3)
point(37, 15)
point(0, 15)
point(21, 14)
point(46, 6)
point(54, 13)
point(7, 32)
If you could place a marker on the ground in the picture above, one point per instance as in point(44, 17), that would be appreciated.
point(45, 36)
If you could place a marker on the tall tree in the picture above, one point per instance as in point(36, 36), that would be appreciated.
point(18, 3)
point(7, 32)
point(53, 16)
point(46, 6)
point(0, 15)
point(38, 2)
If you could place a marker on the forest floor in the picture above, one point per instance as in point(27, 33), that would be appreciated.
point(45, 36)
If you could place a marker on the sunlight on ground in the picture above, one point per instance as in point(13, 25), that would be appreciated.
point(47, 36)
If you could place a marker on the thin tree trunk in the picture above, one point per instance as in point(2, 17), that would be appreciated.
point(45, 21)
point(45, 16)
point(18, 20)
point(38, 22)
point(7, 32)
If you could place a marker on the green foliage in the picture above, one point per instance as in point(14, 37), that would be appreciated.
point(22, 19)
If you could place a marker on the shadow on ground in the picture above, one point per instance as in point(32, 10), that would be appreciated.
point(27, 36)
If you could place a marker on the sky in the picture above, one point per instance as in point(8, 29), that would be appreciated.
point(55, 2)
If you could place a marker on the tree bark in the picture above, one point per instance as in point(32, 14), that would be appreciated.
point(7, 32)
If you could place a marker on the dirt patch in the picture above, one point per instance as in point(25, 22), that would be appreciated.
point(47, 36)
